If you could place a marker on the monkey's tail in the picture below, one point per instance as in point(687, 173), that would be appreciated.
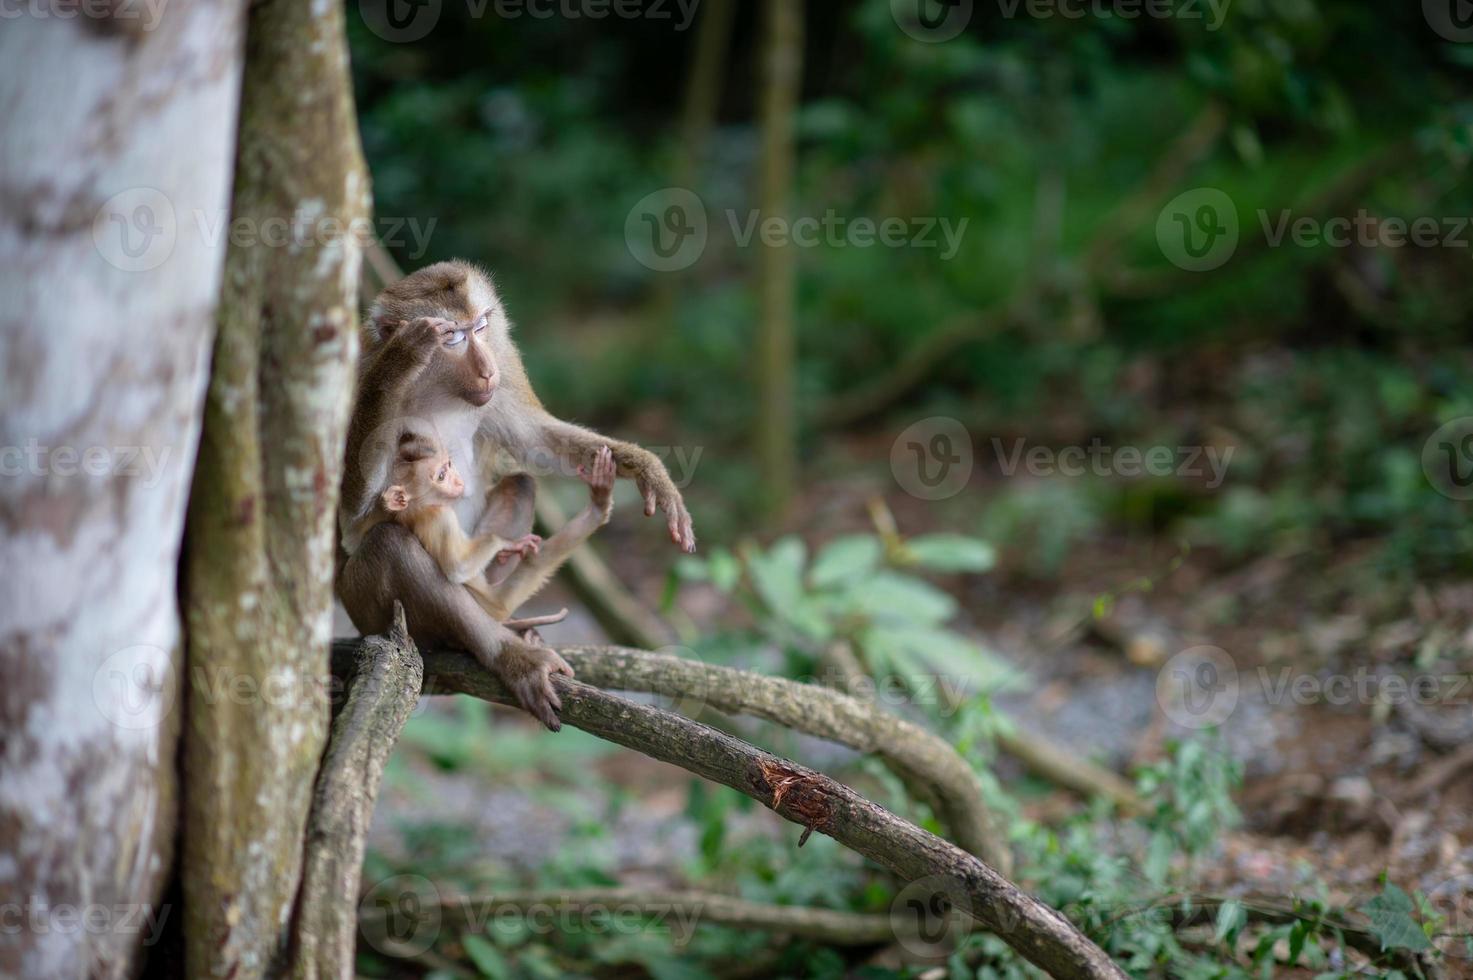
point(533, 621)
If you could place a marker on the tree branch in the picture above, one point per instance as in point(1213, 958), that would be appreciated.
point(1037, 932)
point(921, 759)
point(384, 689)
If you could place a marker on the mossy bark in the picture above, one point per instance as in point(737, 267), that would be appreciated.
point(260, 544)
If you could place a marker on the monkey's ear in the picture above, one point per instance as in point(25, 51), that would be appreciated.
point(395, 499)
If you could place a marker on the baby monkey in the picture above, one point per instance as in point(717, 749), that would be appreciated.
point(426, 484)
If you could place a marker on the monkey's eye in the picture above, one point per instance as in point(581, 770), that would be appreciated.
point(455, 338)
point(480, 324)
point(440, 476)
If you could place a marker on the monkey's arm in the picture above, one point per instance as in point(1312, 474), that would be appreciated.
point(503, 598)
point(390, 374)
point(459, 557)
point(578, 446)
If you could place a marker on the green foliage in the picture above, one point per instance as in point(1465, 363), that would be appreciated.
point(864, 591)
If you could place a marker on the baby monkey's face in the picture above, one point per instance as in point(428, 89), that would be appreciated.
point(438, 477)
point(424, 477)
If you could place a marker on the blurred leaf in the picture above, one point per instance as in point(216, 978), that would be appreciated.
point(1392, 922)
point(951, 553)
point(487, 958)
point(887, 596)
point(844, 558)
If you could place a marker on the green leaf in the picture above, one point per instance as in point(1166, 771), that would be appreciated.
point(844, 558)
point(1392, 922)
point(725, 570)
point(951, 553)
point(1230, 919)
point(777, 574)
point(1297, 935)
point(899, 598)
point(486, 957)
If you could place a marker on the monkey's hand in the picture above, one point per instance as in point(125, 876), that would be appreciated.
point(526, 546)
point(528, 670)
point(421, 337)
point(600, 479)
point(659, 491)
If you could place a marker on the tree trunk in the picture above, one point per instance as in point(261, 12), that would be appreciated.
point(260, 551)
point(115, 147)
point(782, 64)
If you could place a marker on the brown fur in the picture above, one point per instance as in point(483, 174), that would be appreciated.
point(410, 381)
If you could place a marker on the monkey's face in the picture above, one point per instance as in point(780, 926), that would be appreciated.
point(465, 365)
point(436, 478)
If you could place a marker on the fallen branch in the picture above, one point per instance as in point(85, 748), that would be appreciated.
point(811, 799)
point(384, 688)
point(689, 908)
point(1063, 767)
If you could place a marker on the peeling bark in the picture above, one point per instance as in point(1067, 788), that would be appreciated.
point(116, 134)
point(260, 550)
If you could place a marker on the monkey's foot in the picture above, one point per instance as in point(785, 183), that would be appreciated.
point(528, 671)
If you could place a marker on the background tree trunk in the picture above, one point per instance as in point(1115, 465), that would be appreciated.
point(107, 297)
point(260, 552)
point(782, 75)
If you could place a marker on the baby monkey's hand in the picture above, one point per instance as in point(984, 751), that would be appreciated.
point(600, 479)
point(525, 546)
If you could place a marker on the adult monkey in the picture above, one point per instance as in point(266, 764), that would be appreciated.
point(438, 354)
